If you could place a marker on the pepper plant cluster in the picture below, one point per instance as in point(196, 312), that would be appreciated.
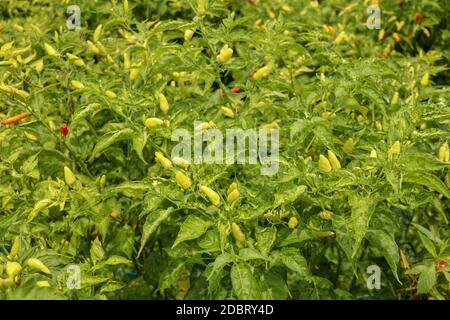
point(93, 205)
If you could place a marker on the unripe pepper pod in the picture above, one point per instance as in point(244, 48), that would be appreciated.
point(348, 146)
point(110, 94)
point(444, 152)
point(378, 125)
point(324, 164)
point(211, 195)
point(126, 60)
point(163, 103)
point(333, 160)
point(38, 265)
point(237, 233)
point(395, 98)
point(233, 196)
point(77, 84)
point(183, 163)
point(38, 65)
point(201, 7)
point(225, 54)
point(163, 161)
point(92, 47)
point(183, 180)
point(15, 248)
point(293, 222)
point(262, 72)
point(425, 79)
point(50, 50)
point(232, 187)
point(69, 177)
point(75, 60)
point(326, 215)
point(188, 34)
point(97, 33)
point(102, 181)
point(13, 269)
point(373, 154)
point(43, 284)
point(134, 73)
point(394, 150)
point(227, 112)
point(307, 160)
point(153, 122)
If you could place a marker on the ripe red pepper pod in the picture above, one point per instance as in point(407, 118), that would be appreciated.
point(15, 119)
point(64, 129)
point(235, 89)
point(417, 17)
point(442, 264)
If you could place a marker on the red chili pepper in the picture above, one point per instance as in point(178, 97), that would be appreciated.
point(15, 119)
point(64, 129)
point(417, 17)
point(235, 90)
point(442, 264)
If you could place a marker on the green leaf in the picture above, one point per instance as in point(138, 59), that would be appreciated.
point(154, 219)
point(115, 260)
point(274, 286)
point(350, 231)
point(428, 244)
point(296, 236)
point(214, 272)
point(290, 196)
point(360, 219)
point(112, 286)
point(39, 206)
point(192, 228)
point(210, 241)
point(427, 232)
point(388, 247)
point(139, 142)
point(427, 279)
point(132, 189)
point(428, 180)
point(250, 254)
point(97, 252)
point(88, 280)
point(245, 286)
point(110, 138)
point(293, 260)
point(265, 240)
point(88, 111)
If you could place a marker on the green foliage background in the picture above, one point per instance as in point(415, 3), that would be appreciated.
point(327, 85)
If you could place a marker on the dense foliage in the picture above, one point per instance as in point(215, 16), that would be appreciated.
point(80, 183)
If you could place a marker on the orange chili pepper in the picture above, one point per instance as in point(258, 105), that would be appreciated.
point(15, 119)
